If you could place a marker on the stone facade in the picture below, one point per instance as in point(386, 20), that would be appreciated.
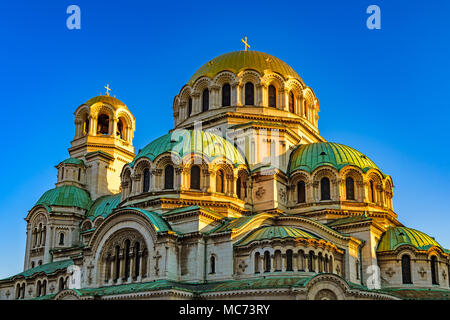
point(240, 201)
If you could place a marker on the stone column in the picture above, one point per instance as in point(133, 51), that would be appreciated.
point(196, 105)
point(215, 97)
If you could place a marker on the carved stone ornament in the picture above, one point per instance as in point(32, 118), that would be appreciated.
point(260, 192)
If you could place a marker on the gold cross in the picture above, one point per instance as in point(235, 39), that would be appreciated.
point(107, 89)
point(245, 43)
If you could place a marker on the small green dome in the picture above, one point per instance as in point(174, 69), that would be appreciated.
point(243, 60)
point(183, 142)
point(274, 232)
point(66, 196)
point(310, 156)
point(73, 161)
point(395, 237)
point(103, 206)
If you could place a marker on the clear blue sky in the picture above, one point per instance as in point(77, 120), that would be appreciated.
point(384, 92)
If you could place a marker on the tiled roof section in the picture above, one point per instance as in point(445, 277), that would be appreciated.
point(418, 294)
point(183, 142)
point(73, 161)
point(244, 60)
point(158, 222)
point(103, 206)
point(308, 157)
point(192, 208)
point(274, 232)
point(66, 196)
point(395, 237)
point(47, 268)
point(348, 220)
point(230, 224)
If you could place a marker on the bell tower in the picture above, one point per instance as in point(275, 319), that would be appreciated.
point(104, 131)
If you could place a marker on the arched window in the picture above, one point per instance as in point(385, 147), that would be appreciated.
point(257, 258)
point(350, 188)
point(291, 102)
point(120, 129)
point(311, 261)
point(61, 284)
point(44, 287)
point(168, 177)
point(22, 291)
point(267, 261)
point(62, 173)
point(61, 239)
point(205, 100)
point(272, 96)
point(189, 107)
point(434, 271)
point(38, 289)
point(372, 191)
point(249, 94)
point(289, 260)
point(305, 104)
point(219, 181)
point(212, 264)
point(195, 177)
point(137, 254)
point(40, 263)
point(79, 174)
point(325, 189)
point(32, 264)
point(40, 234)
point(35, 236)
point(146, 186)
point(238, 188)
point(301, 194)
point(127, 259)
point(226, 95)
point(18, 291)
point(103, 124)
point(86, 125)
point(406, 269)
point(117, 263)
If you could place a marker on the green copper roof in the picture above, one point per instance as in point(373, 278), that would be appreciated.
point(47, 268)
point(243, 60)
point(159, 223)
point(66, 196)
point(183, 142)
point(310, 156)
point(103, 206)
point(73, 161)
point(395, 237)
point(274, 232)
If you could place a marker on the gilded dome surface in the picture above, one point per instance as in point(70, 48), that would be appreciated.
point(242, 60)
point(105, 99)
point(395, 237)
point(308, 157)
point(183, 142)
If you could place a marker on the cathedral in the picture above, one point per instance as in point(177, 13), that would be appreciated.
point(241, 199)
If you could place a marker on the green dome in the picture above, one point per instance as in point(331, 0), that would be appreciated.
point(183, 142)
point(242, 60)
point(395, 237)
point(103, 206)
point(274, 232)
point(66, 196)
point(73, 161)
point(310, 156)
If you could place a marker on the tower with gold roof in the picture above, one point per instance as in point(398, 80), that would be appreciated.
point(104, 131)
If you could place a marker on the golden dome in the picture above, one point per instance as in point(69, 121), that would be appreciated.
point(242, 60)
point(105, 99)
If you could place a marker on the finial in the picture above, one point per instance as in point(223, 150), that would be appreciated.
point(245, 43)
point(107, 89)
